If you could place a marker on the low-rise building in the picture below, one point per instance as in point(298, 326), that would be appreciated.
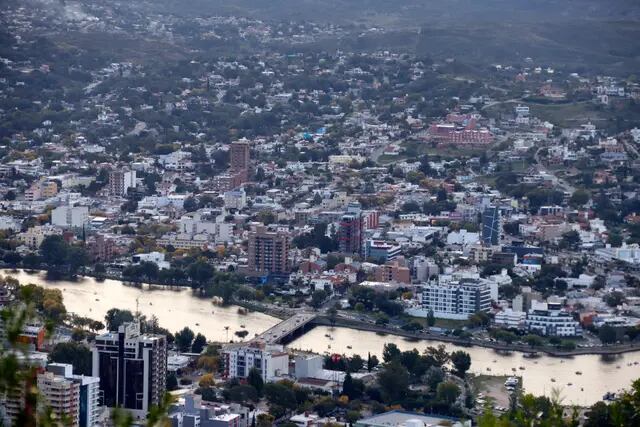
point(550, 319)
point(270, 360)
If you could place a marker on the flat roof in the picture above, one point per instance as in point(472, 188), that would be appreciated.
point(395, 418)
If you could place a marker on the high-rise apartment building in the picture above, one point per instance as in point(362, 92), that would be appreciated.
point(268, 252)
point(491, 226)
point(132, 368)
point(350, 233)
point(239, 160)
point(120, 181)
point(62, 395)
point(74, 396)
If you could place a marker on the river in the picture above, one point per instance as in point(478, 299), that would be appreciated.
point(174, 308)
point(178, 308)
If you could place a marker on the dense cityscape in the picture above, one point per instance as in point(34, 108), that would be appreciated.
point(242, 216)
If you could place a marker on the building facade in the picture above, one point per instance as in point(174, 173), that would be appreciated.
point(491, 227)
point(270, 360)
point(268, 252)
point(120, 181)
point(132, 368)
point(549, 319)
point(456, 299)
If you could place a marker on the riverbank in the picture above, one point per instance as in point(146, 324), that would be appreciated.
point(464, 342)
point(285, 312)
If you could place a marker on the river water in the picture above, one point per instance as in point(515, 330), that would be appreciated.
point(174, 309)
point(178, 308)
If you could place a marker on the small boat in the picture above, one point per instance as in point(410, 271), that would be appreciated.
point(242, 326)
point(553, 380)
point(197, 324)
point(578, 373)
point(513, 369)
point(349, 347)
point(489, 369)
point(581, 389)
point(521, 368)
point(97, 299)
point(569, 384)
point(150, 303)
point(327, 335)
point(635, 363)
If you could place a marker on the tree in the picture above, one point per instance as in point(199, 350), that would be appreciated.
point(332, 313)
point(318, 297)
point(347, 386)
point(533, 340)
point(172, 381)
point(434, 376)
point(199, 343)
point(265, 420)
point(207, 380)
point(280, 395)
point(438, 355)
point(242, 334)
point(447, 392)
point(394, 381)
point(200, 272)
point(241, 393)
point(116, 317)
point(73, 353)
point(190, 204)
point(372, 362)
point(431, 318)
point(255, 379)
point(184, 338)
point(461, 362)
point(390, 352)
point(607, 334)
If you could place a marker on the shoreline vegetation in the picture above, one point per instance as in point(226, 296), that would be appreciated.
point(323, 320)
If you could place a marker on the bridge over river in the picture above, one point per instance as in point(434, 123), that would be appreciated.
point(287, 329)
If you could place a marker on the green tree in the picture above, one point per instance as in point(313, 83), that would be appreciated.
point(394, 381)
point(116, 317)
point(184, 339)
point(255, 379)
point(280, 395)
point(461, 362)
point(318, 297)
point(607, 334)
point(431, 318)
point(172, 381)
point(447, 392)
point(390, 352)
point(74, 353)
point(199, 343)
point(372, 362)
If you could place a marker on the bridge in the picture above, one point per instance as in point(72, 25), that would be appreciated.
point(287, 329)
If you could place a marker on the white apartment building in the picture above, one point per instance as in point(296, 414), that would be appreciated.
point(89, 393)
point(158, 258)
point(62, 396)
point(236, 199)
point(548, 318)
point(454, 299)
point(70, 216)
point(511, 319)
point(626, 253)
point(271, 360)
